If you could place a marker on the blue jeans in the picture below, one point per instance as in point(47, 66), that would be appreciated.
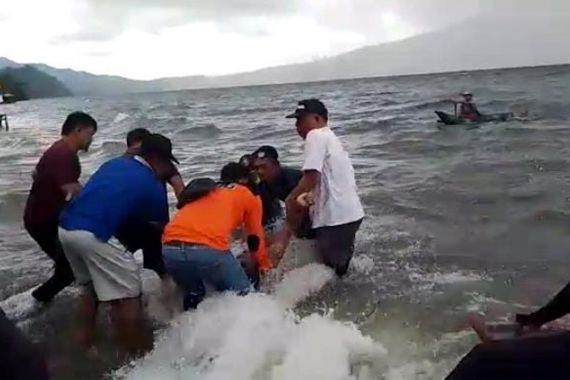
point(192, 266)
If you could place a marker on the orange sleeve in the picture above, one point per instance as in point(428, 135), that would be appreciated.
point(253, 226)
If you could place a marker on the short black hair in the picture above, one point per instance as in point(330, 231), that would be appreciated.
point(234, 172)
point(137, 135)
point(77, 120)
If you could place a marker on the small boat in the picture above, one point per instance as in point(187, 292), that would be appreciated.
point(8, 98)
point(449, 119)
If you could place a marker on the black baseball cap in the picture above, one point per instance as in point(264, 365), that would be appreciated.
point(308, 106)
point(246, 160)
point(266, 151)
point(159, 145)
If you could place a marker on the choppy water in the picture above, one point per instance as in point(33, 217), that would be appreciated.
point(458, 221)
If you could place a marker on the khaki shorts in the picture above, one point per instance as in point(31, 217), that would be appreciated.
point(113, 272)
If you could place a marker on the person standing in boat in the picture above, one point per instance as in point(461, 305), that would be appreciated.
point(467, 108)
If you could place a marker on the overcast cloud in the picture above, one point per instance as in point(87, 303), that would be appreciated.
point(156, 38)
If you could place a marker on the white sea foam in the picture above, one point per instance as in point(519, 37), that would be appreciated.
point(447, 278)
point(121, 117)
point(260, 337)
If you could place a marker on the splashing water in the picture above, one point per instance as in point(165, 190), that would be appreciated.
point(259, 337)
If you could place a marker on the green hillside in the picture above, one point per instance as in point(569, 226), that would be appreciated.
point(27, 82)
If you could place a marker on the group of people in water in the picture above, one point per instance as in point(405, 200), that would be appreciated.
point(126, 200)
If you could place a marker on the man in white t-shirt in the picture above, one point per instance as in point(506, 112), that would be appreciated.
point(329, 176)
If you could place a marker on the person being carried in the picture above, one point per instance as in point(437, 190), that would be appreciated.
point(134, 235)
point(55, 182)
point(122, 189)
point(196, 243)
point(329, 176)
point(467, 108)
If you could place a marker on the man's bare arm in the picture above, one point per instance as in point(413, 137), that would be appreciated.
point(71, 190)
point(310, 180)
point(177, 184)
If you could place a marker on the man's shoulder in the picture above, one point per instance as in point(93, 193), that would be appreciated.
point(291, 174)
point(323, 135)
point(127, 168)
point(289, 171)
point(116, 163)
point(58, 150)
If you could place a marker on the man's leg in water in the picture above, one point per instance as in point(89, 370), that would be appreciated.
point(185, 274)
point(114, 275)
point(88, 317)
point(47, 238)
point(558, 307)
point(73, 248)
point(336, 245)
point(128, 322)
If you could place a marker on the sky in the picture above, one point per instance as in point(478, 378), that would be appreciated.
point(148, 39)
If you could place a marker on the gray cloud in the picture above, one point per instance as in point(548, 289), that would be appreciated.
point(104, 19)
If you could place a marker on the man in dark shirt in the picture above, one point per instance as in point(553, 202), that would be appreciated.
point(56, 181)
point(276, 183)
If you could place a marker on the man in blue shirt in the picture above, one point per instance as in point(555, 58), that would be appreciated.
point(123, 189)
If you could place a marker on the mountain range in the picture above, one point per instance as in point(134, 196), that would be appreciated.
point(480, 43)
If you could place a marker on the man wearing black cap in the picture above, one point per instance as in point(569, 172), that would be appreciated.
point(276, 183)
point(122, 189)
point(336, 210)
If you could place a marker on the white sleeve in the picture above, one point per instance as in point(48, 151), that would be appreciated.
point(315, 152)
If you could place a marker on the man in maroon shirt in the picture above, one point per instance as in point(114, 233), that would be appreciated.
point(56, 181)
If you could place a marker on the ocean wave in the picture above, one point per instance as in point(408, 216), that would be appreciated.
point(258, 336)
point(208, 131)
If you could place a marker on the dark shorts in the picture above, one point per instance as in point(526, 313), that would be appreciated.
point(134, 236)
point(520, 359)
point(335, 245)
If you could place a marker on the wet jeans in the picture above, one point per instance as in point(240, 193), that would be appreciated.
point(193, 266)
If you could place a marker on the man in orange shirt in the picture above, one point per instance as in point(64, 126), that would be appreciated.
point(196, 243)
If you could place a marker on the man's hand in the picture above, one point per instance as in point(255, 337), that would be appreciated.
point(71, 190)
point(306, 200)
point(276, 252)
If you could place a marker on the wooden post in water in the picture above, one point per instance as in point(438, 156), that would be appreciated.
point(4, 120)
